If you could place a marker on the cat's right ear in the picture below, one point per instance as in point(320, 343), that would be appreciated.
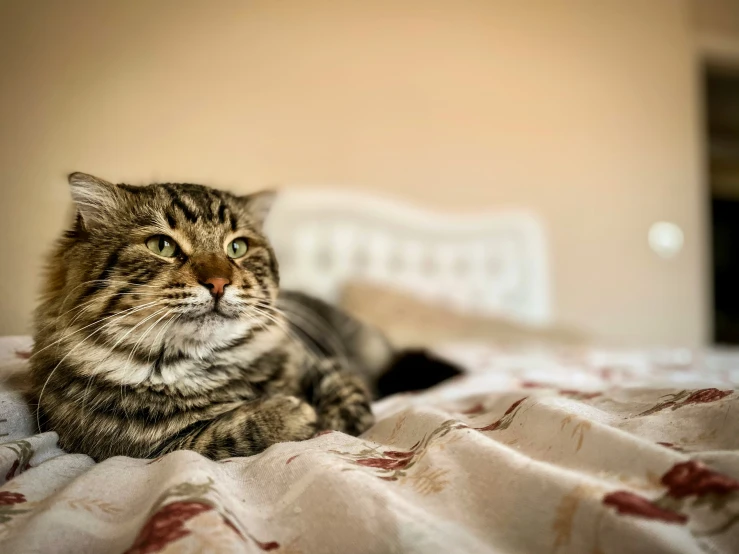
point(95, 198)
point(259, 205)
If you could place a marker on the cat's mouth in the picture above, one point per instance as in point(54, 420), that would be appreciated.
point(218, 310)
point(223, 309)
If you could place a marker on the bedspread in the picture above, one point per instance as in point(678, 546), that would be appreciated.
point(569, 451)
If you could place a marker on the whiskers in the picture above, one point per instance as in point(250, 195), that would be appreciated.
point(278, 319)
point(155, 342)
point(316, 328)
point(104, 283)
point(66, 334)
point(153, 345)
point(115, 318)
point(285, 320)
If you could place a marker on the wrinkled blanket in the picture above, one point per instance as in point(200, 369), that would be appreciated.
point(570, 451)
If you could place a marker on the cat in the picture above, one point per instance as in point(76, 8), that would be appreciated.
point(161, 327)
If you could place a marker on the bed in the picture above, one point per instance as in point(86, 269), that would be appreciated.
point(559, 448)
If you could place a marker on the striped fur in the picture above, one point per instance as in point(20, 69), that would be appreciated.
point(134, 356)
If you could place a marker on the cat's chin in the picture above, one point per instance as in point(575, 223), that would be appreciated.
point(225, 313)
point(212, 315)
point(207, 327)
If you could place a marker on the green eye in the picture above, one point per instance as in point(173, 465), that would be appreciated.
point(163, 246)
point(237, 248)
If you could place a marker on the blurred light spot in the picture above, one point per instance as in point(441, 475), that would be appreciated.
point(666, 239)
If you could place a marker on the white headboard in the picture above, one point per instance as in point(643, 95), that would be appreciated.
point(492, 263)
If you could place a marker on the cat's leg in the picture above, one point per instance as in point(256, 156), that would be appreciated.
point(341, 399)
point(249, 429)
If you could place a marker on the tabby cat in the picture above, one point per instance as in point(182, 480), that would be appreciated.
point(161, 328)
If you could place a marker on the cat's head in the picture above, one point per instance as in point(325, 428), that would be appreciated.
point(182, 255)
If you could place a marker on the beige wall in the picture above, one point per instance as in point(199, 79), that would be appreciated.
point(583, 111)
point(717, 18)
point(717, 27)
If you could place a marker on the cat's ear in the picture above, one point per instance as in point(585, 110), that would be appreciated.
point(96, 199)
point(259, 204)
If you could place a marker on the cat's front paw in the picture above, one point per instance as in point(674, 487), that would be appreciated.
point(289, 418)
point(344, 405)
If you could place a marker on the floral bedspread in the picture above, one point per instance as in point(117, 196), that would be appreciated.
point(571, 451)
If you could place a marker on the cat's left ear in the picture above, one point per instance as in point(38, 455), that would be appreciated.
point(259, 205)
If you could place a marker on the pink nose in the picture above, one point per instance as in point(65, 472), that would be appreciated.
point(216, 285)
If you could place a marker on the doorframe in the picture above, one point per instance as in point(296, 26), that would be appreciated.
point(719, 54)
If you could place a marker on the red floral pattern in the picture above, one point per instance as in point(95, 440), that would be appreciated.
point(392, 460)
point(505, 420)
point(398, 454)
point(685, 398)
point(13, 471)
point(9, 498)
point(706, 395)
point(266, 546)
point(393, 464)
point(166, 526)
point(672, 446)
point(683, 480)
point(9, 505)
point(628, 503)
point(693, 478)
point(24, 452)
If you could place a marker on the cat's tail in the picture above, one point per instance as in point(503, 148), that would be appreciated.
point(413, 370)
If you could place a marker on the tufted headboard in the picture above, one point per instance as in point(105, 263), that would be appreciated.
point(492, 263)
